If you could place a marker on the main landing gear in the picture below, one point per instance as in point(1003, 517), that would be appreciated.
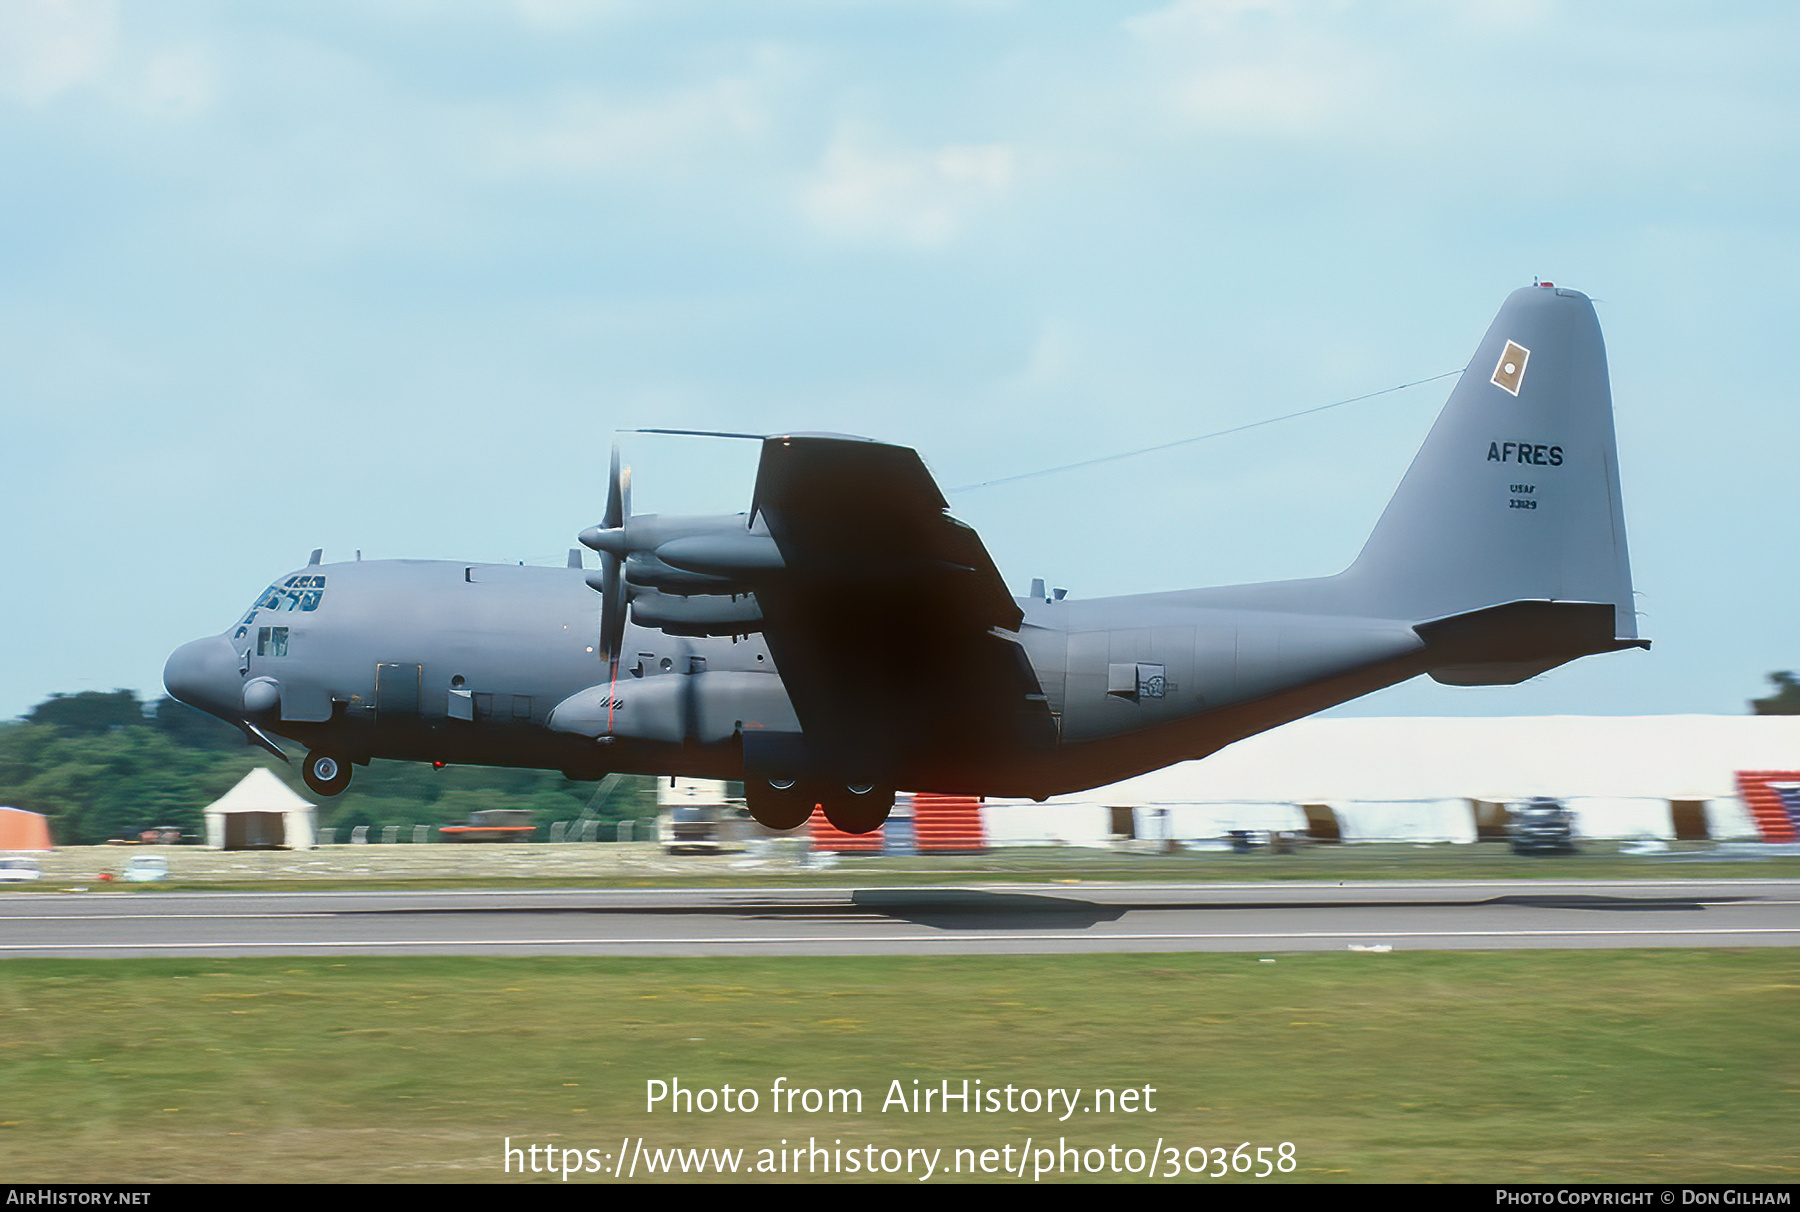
point(326, 773)
point(787, 803)
point(858, 807)
point(779, 803)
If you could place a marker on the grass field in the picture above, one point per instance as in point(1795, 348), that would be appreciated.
point(1405, 1067)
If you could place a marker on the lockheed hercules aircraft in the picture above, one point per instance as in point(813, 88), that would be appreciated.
point(846, 636)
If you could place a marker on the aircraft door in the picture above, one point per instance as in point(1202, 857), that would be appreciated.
point(397, 691)
point(1085, 684)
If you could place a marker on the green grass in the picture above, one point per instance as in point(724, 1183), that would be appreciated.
point(1600, 1066)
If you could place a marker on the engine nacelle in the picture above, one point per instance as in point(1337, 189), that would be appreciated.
point(684, 576)
point(701, 708)
point(708, 614)
point(644, 569)
point(736, 556)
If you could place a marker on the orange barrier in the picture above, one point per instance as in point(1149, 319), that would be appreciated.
point(947, 823)
point(1774, 818)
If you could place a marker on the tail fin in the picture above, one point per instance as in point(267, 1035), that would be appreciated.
point(1515, 494)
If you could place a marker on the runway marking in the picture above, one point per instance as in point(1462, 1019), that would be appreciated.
point(773, 940)
point(155, 917)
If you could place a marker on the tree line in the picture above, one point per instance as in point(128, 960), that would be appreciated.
point(107, 765)
point(1785, 700)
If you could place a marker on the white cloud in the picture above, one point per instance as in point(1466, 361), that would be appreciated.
point(1268, 98)
point(919, 197)
point(179, 82)
point(1188, 18)
point(560, 15)
point(585, 131)
point(1257, 67)
point(1052, 358)
point(1506, 16)
point(50, 46)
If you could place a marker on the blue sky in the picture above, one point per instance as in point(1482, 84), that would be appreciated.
point(386, 276)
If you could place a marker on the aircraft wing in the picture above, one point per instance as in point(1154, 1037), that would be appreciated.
point(888, 619)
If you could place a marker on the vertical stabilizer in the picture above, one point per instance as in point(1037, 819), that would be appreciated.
point(1515, 494)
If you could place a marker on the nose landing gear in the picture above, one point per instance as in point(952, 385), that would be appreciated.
point(326, 773)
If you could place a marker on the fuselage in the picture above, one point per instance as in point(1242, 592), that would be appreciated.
point(1501, 555)
point(498, 665)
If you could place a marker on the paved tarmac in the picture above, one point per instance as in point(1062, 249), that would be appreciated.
point(976, 919)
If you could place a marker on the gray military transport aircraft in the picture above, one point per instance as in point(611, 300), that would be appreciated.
point(846, 636)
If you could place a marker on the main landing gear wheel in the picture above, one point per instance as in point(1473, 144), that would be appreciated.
point(779, 803)
point(325, 773)
point(859, 807)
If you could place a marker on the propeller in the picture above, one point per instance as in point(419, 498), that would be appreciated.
point(612, 560)
point(608, 538)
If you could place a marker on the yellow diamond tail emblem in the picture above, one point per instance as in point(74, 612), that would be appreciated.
point(1510, 371)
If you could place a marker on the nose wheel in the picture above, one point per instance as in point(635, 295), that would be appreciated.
point(325, 773)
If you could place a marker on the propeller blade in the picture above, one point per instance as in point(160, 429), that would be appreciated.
point(612, 559)
point(615, 497)
point(690, 703)
point(612, 605)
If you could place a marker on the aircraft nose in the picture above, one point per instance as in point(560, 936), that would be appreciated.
point(204, 674)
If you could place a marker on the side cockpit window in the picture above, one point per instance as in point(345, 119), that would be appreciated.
point(271, 641)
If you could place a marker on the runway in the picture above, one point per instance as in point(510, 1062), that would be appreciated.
point(986, 920)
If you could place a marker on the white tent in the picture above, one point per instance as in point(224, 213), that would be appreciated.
point(260, 813)
point(1414, 778)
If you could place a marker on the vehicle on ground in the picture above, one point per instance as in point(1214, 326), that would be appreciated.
point(493, 825)
point(145, 868)
point(690, 828)
point(698, 815)
point(1542, 826)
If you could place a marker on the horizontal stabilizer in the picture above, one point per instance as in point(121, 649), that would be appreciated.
point(1501, 645)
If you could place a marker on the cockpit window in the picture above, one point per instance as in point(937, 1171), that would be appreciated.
point(296, 593)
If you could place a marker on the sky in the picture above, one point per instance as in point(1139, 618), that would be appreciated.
point(388, 275)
